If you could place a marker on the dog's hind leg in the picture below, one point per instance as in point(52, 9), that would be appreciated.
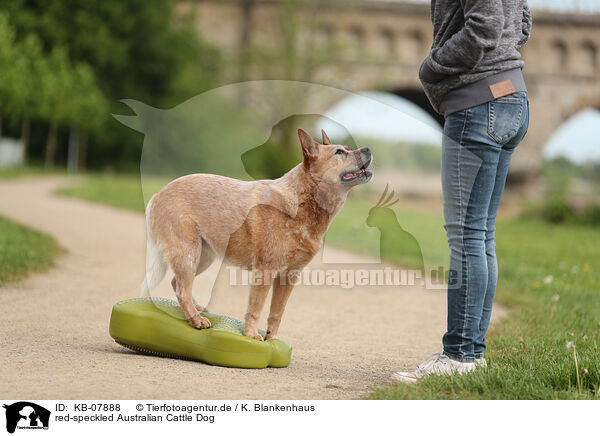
point(207, 256)
point(206, 259)
point(184, 259)
point(184, 277)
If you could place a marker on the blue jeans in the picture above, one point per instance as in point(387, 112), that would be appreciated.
point(476, 150)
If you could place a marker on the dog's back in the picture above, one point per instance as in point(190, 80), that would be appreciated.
point(216, 204)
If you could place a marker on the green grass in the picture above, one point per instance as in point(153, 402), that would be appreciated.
point(23, 251)
point(349, 230)
point(28, 171)
point(549, 277)
point(122, 191)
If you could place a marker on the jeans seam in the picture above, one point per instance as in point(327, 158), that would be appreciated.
point(462, 224)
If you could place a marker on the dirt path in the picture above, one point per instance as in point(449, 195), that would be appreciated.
point(55, 341)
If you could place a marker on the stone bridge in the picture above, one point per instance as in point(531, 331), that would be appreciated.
point(379, 45)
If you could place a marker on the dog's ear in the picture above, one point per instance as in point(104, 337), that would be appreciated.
point(326, 140)
point(310, 148)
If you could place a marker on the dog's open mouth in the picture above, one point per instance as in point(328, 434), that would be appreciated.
point(358, 175)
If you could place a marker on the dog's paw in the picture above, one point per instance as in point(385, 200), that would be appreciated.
point(256, 336)
point(270, 336)
point(200, 322)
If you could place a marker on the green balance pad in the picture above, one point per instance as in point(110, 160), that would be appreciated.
point(158, 326)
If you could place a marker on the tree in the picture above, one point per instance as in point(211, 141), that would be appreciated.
point(134, 49)
point(7, 66)
point(87, 110)
point(25, 103)
point(56, 81)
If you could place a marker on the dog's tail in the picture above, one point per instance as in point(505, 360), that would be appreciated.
point(156, 266)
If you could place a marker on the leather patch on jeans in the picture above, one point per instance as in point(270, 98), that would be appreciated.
point(504, 88)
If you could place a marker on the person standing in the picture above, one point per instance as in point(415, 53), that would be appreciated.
point(473, 76)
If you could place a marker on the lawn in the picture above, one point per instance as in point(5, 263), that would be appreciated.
point(547, 348)
point(23, 251)
point(120, 191)
point(31, 170)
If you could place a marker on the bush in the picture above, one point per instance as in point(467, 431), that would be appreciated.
point(556, 210)
point(590, 215)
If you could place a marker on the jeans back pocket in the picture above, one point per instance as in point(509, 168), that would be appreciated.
point(505, 117)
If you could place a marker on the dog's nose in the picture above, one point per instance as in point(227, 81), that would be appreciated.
point(366, 151)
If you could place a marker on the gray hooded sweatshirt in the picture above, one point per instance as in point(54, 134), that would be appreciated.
point(475, 44)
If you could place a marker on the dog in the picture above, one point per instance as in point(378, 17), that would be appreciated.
point(272, 228)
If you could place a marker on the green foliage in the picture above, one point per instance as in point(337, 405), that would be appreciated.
point(87, 105)
point(93, 54)
point(590, 215)
point(20, 64)
point(7, 64)
point(556, 210)
point(47, 86)
point(55, 82)
point(559, 172)
point(23, 250)
point(133, 45)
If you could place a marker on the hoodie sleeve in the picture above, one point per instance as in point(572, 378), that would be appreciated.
point(526, 26)
point(484, 21)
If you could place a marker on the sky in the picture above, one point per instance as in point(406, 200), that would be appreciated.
point(578, 139)
point(385, 116)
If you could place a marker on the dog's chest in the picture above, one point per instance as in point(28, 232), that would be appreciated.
point(302, 239)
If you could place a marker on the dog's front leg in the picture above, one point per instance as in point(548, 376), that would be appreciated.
point(262, 280)
point(282, 288)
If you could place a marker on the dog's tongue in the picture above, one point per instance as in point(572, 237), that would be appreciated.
point(354, 174)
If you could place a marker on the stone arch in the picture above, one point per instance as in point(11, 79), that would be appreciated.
point(414, 45)
point(357, 35)
point(418, 97)
point(389, 40)
point(589, 56)
point(326, 31)
point(559, 56)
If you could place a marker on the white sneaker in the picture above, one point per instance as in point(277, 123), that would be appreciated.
point(481, 362)
point(436, 363)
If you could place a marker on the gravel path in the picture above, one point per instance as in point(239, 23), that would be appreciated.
point(55, 341)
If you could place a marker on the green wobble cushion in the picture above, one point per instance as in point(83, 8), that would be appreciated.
point(158, 326)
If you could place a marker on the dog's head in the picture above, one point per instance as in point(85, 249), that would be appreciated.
point(335, 164)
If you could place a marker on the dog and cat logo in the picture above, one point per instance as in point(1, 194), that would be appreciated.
point(26, 415)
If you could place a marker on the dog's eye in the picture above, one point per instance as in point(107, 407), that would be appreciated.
point(340, 151)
